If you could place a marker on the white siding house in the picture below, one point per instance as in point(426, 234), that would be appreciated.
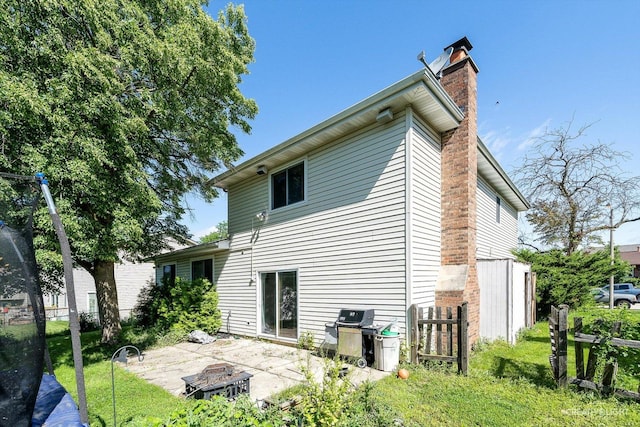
point(347, 215)
point(130, 278)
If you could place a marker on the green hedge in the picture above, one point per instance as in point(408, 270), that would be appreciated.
point(182, 306)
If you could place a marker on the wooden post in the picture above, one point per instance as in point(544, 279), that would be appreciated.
point(427, 347)
point(449, 333)
point(553, 337)
point(463, 342)
point(610, 369)
point(577, 329)
point(563, 315)
point(415, 332)
point(438, 331)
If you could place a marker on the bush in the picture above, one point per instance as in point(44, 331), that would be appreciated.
point(600, 322)
point(182, 306)
point(568, 279)
point(87, 322)
point(219, 412)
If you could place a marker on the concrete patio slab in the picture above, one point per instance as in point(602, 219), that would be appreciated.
point(274, 367)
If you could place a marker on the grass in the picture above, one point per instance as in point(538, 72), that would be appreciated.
point(135, 398)
point(507, 385)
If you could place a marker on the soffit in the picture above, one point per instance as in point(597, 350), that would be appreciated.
point(421, 90)
point(492, 172)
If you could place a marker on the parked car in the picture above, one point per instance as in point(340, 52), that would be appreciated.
point(623, 288)
point(620, 299)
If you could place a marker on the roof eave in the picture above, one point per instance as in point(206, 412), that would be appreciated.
point(400, 93)
point(192, 251)
point(486, 163)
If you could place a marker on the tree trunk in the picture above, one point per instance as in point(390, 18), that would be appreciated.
point(107, 296)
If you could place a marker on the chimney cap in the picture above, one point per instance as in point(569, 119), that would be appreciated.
point(462, 43)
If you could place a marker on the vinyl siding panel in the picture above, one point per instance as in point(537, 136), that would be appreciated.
point(130, 279)
point(426, 214)
point(494, 240)
point(346, 240)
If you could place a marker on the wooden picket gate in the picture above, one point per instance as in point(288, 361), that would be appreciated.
point(427, 345)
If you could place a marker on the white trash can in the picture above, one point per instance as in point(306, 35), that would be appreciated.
point(387, 352)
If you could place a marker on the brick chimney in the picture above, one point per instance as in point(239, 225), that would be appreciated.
point(458, 278)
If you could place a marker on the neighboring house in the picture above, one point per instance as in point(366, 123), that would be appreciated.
point(130, 277)
point(631, 254)
point(386, 204)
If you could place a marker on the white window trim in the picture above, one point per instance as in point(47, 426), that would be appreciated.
point(259, 332)
point(306, 180)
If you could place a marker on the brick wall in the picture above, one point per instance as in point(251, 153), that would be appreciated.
point(459, 184)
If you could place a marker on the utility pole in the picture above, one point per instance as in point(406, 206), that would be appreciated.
point(612, 254)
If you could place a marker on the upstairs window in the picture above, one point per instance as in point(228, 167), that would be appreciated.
point(202, 269)
point(498, 206)
point(287, 186)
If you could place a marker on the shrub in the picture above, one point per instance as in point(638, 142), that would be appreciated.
point(182, 307)
point(600, 323)
point(87, 322)
point(324, 403)
point(219, 412)
point(568, 279)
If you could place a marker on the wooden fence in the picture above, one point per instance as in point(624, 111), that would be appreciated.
point(427, 345)
point(558, 329)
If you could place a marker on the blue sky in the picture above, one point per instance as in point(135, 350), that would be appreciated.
point(542, 64)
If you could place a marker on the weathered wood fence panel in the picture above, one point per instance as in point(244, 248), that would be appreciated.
point(424, 340)
point(558, 333)
point(558, 329)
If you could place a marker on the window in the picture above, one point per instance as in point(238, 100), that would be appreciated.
point(498, 204)
point(202, 269)
point(287, 186)
point(92, 304)
point(168, 274)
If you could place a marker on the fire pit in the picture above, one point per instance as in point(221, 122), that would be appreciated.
point(219, 379)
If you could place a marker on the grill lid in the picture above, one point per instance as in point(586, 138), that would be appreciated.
point(358, 317)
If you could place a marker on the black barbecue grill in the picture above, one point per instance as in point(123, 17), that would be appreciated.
point(355, 332)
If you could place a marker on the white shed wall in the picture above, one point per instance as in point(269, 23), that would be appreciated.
point(502, 298)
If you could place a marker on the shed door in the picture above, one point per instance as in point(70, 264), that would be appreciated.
point(279, 295)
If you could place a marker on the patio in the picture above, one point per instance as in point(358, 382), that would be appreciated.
point(274, 367)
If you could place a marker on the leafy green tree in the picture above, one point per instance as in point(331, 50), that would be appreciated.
point(126, 106)
point(222, 232)
point(568, 279)
point(573, 187)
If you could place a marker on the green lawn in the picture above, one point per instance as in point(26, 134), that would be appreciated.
point(134, 397)
point(507, 385)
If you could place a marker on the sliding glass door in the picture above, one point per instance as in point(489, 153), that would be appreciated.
point(279, 295)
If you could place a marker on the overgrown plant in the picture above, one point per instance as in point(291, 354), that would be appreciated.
point(568, 279)
point(218, 412)
point(324, 402)
point(600, 323)
point(305, 341)
point(181, 306)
